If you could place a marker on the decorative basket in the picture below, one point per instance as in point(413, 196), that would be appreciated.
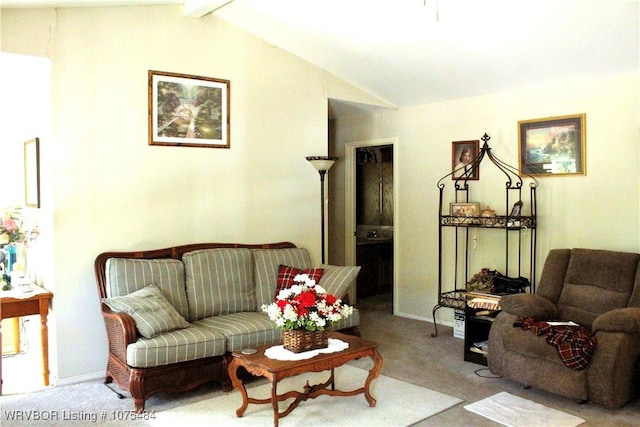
point(299, 340)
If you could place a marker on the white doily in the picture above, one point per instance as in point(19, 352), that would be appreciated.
point(278, 352)
point(23, 291)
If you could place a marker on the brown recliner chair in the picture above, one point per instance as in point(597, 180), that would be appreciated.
point(597, 289)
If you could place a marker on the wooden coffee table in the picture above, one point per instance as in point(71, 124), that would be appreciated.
point(275, 370)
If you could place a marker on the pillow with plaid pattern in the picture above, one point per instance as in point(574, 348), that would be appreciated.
point(286, 275)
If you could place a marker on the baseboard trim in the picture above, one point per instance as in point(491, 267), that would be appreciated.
point(58, 382)
point(423, 318)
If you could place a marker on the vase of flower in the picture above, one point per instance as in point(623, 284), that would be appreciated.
point(11, 256)
point(303, 312)
point(15, 234)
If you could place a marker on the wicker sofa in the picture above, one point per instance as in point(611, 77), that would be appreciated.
point(173, 315)
point(599, 290)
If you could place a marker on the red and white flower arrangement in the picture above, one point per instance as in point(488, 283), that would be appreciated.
point(306, 305)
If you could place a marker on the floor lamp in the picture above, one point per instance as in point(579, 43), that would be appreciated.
point(322, 165)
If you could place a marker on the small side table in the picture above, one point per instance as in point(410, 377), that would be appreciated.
point(18, 304)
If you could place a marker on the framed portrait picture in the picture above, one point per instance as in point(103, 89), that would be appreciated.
point(553, 146)
point(32, 173)
point(465, 209)
point(188, 111)
point(463, 155)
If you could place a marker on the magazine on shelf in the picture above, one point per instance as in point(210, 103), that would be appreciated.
point(483, 300)
point(480, 347)
point(477, 350)
point(479, 294)
point(484, 303)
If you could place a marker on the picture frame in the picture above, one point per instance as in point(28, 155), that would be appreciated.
point(468, 209)
point(463, 156)
point(517, 209)
point(553, 146)
point(188, 111)
point(32, 173)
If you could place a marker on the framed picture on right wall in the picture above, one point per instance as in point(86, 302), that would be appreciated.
point(553, 146)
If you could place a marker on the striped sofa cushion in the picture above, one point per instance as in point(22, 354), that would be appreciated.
point(219, 281)
point(194, 342)
point(125, 276)
point(244, 330)
point(267, 264)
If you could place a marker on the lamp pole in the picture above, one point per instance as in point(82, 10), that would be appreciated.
point(322, 165)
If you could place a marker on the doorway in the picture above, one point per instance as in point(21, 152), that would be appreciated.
point(370, 217)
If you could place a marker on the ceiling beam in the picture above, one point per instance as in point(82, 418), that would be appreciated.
point(200, 8)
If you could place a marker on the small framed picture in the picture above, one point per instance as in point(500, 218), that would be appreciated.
point(465, 209)
point(188, 111)
point(517, 209)
point(553, 146)
point(463, 157)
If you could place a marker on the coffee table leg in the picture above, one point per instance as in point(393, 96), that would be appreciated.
point(373, 374)
point(333, 379)
point(274, 401)
point(233, 374)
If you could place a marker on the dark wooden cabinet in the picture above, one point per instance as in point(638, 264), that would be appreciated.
point(376, 273)
point(476, 334)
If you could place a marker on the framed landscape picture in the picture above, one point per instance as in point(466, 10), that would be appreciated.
point(189, 111)
point(553, 146)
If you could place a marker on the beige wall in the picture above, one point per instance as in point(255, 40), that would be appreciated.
point(110, 190)
point(599, 210)
point(24, 115)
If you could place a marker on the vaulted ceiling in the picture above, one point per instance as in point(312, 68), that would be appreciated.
point(410, 52)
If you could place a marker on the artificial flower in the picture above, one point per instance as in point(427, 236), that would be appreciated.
point(14, 228)
point(307, 306)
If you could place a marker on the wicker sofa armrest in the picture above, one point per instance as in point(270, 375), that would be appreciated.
point(529, 305)
point(121, 331)
point(618, 320)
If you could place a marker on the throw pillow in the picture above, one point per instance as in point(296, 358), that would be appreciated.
point(286, 275)
point(266, 266)
point(151, 311)
point(337, 279)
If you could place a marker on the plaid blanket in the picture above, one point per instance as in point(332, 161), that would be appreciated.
point(575, 344)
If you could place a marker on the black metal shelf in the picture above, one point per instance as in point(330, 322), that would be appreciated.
point(500, 221)
point(453, 299)
point(514, 226)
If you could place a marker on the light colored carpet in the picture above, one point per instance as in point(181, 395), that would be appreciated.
point(398, 404)
point(514, 411)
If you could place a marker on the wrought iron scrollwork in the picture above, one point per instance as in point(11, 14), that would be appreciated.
point(513, 221)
